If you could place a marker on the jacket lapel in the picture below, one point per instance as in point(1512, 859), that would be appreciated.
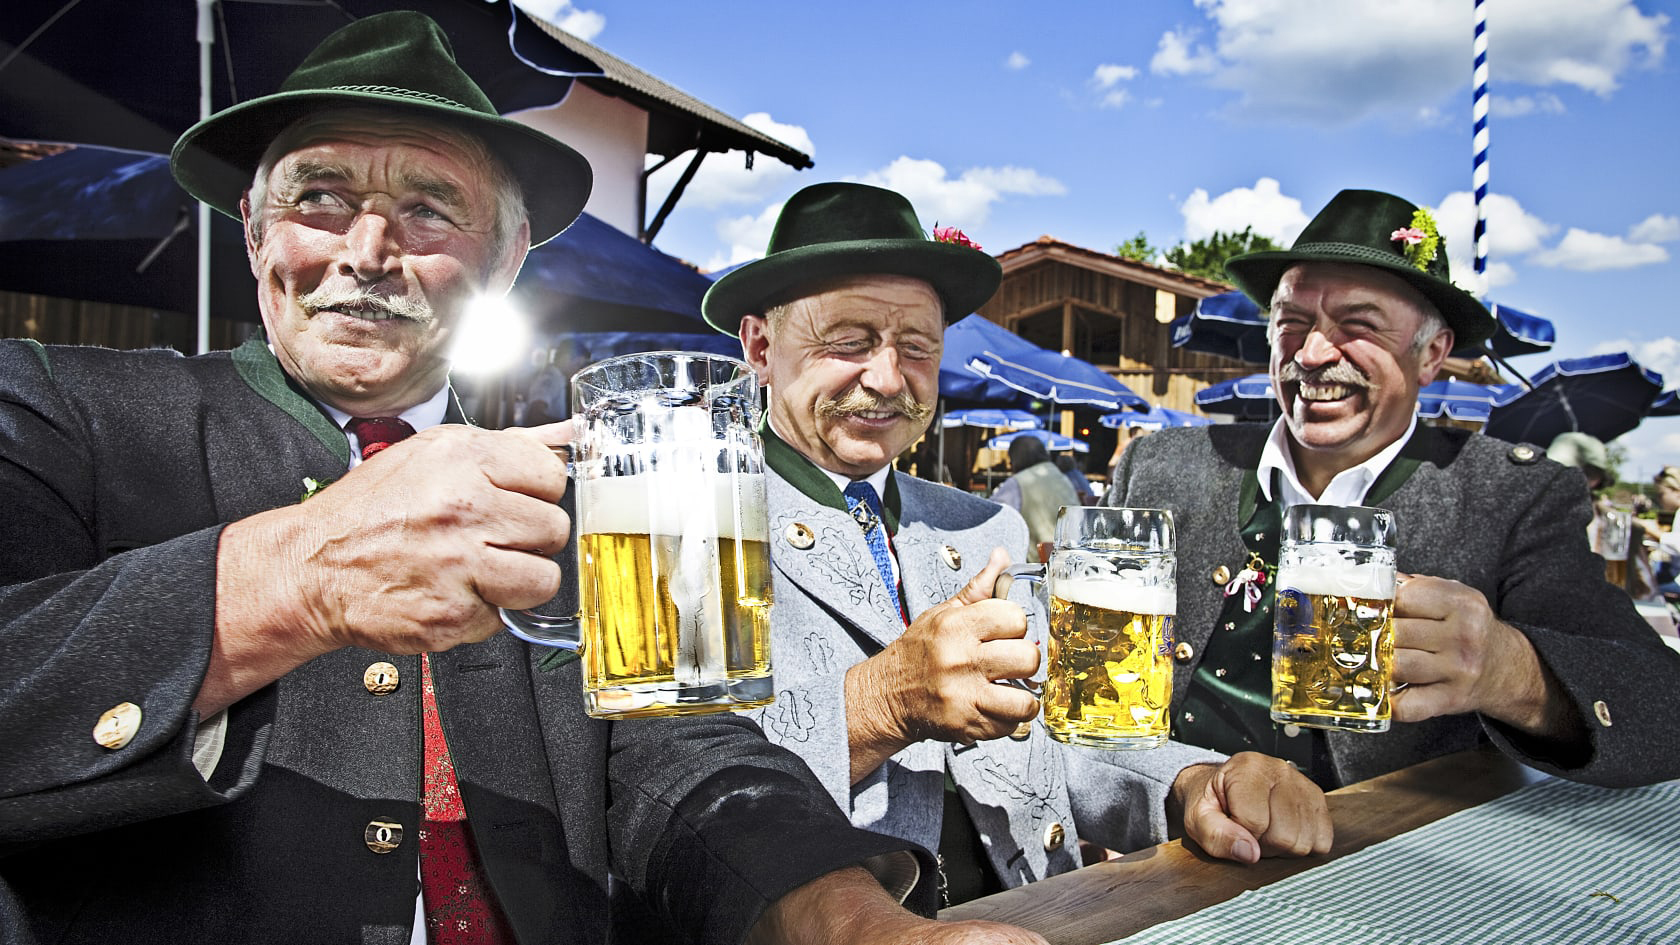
point(834, 567)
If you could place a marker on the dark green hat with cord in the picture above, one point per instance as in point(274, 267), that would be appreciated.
point(1371, 228)
point(840, 229)
point(397, 60)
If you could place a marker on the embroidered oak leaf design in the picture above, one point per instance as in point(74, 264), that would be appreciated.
point(819, 653)
point(791, 718)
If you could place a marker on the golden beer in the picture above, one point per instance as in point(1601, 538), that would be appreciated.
point(1333, 650)
point(1109, 679)
point(674, 599)
point(1615, 571)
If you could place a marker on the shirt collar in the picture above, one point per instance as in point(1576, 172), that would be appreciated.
point(1348, 487)
point(420, 416)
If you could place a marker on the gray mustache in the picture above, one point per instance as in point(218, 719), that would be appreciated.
point(1336, 372)
point(857, 400)
point(366, 301)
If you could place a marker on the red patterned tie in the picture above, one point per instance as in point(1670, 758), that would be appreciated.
point(459, 908)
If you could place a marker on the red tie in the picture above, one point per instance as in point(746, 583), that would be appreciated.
point(459, 907)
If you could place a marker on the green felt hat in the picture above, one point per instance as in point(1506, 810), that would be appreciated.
point(1373, 229)
point(402, 60)
point(841, 229)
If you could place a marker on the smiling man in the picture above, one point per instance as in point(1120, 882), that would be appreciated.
point(892, 657)
point(1505, 630)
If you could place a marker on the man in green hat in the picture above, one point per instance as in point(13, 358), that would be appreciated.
point(889, 645)
point(1504, 630)
point(228, 715)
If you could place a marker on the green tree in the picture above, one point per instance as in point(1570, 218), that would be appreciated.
point(1138, 249)
point(1206, 257)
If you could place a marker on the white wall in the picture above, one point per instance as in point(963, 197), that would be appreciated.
point(612, 134)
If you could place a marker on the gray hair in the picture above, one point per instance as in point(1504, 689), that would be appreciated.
point(505, 190)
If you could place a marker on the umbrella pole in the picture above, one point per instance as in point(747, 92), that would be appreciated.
point(1487, 349)
point(206, 37)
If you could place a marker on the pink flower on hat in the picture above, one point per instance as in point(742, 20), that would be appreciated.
point(1411, 234)
point(950, 234)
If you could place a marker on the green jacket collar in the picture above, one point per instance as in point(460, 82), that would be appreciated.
point(814, 484)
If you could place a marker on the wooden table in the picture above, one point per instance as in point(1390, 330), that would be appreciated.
point(1120, 897)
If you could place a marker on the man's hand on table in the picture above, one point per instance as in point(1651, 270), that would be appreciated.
point(1250, 806)
point(936, 681)
point(1453, 654)
point(848, 907)
point(412, 551)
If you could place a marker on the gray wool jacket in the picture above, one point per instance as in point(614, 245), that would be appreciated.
point(1497, 517)
point(1031, 799)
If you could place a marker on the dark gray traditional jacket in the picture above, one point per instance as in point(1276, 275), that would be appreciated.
point(117, 472)
point(1501, 519)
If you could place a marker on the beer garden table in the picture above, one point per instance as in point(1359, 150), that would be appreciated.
point(1466, 848)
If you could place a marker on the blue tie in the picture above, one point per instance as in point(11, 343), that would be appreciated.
point(866, 510)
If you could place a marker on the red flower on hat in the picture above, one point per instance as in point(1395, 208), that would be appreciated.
point(950, 234)
point(1411, 234)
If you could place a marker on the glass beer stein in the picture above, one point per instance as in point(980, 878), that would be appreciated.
point(1333, 640)
point(1113, 593)
point(673, 583)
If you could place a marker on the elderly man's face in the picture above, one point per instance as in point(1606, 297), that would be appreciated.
point(375, 232)
point(1343, 362)
point(853, 370)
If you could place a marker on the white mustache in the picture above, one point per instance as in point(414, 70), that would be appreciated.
point(365, 303)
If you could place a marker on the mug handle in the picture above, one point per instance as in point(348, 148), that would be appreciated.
point(556, 623)
point(1033, 574)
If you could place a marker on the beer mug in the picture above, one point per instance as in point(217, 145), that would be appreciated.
point(672, 613)
point(1615, 533)
point(1333, 639)
point(1113, 593)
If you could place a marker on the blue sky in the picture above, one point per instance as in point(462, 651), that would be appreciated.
point(1092, 121)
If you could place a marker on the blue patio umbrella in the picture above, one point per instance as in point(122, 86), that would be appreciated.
point(1227, 324)
point(994, 352)
point(1520, 332)
point(1246, 398)
point(1667, 404)
point(1458, 400)
point(1603, 396)
point(1054, 442)
point(1155, 418)
point(992, 418)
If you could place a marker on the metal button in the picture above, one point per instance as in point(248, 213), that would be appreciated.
point(1054, 836)
point(1221, 575)
point(381, 678)
point(1522, 454)
point(1603, 712)
point(1022, 732)
point(951, 556)
point(383, 836)
point(1220, 672)
point(800, 536)
point(117, 726)
point(1183, 652)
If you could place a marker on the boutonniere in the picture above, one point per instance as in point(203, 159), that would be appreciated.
point(1420, 241)
point(950, 234)
point(1251, 582)
point(312, 487)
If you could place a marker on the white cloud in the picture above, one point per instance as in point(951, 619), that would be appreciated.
point(964, 201)
point(1262, 207)
point(1108, 74)
point(1585, 251)
point(1176, 54)
point(1511, 232)
point(1543, 103)
point(1656, 228)
point(1017, 60)
point(724, 180)
point(747, 237)
point(1659, 354)
point(584, 24)
point(1337, 61)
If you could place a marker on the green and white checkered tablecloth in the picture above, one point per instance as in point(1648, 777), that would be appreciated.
point(1555, 863)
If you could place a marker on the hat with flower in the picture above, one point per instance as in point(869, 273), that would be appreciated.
point(1372, 228)
point(399, 60)
point(843, 229)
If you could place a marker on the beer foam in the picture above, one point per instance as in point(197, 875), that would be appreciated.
point(660, 504)
point(1112, 594)
point(1329, 575)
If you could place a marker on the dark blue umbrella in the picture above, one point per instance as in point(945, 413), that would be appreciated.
point(1155, 418)
point(1246, 398)
point(994, 352)
point(1054, 442)
point(1227, 324)
point(1667, 404)
point(1458, 400)
point(1603, 396)
point(991, 418)
point(1520, 332)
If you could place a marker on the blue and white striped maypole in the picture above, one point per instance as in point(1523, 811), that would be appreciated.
point(1479, 112)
